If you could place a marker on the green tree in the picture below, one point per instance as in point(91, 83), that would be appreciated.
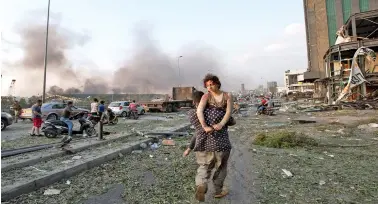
point(23, 103)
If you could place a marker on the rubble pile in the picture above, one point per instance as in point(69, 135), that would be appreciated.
point(361, 104)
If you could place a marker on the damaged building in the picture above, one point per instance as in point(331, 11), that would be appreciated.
point(331, 51)
point(359, 33)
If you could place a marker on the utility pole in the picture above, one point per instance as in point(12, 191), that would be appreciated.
point(46, 45)
point(178, 67)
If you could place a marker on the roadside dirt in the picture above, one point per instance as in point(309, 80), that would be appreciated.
point(19, 135)
point(328, 173)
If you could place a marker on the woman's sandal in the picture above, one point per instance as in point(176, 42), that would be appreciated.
point(32, 134)
point(222, 194)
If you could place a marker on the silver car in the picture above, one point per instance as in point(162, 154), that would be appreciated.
point(121, 108)
point(51, 111)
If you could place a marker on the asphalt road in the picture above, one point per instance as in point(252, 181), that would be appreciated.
point(17, 130)
point(23, 128)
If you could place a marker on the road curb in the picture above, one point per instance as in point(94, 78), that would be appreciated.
point(57, 175)
point(37, 159)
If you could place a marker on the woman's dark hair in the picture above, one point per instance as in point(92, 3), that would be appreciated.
point(69, 103)
point(95, 100)
point(211, 77)
point(197, 95)
point(102, 102)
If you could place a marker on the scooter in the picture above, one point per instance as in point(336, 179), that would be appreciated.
point(133, 114)
point(265, 111)
point(53, 128)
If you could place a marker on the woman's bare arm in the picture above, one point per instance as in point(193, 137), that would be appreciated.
point(200, 109)
point(230, 105)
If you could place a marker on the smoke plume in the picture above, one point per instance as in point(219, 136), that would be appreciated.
point(56, 90)
point(150, 70)
point(33, 36)
point(96, 85)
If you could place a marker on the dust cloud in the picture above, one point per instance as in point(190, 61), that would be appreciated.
point(59, 42)
point(150, 70)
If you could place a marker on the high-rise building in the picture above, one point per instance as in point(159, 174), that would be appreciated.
point(272, 86)
point(323, 18)
point(242, 88)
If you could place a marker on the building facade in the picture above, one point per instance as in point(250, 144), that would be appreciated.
point(323, 18)
point(295, 82)
point(272, 86)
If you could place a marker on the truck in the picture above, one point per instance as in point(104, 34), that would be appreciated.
point(182, 98)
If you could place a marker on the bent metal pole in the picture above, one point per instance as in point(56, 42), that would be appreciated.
point(46, 44)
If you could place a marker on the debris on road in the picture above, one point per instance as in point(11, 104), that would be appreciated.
point(51, 192)
point(287, 173)
point(168, 142)
point(76, 157)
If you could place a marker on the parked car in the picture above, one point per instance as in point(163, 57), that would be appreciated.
point(121, 108)
point(6, 120)
point(51, 111)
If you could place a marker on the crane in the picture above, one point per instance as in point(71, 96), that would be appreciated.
point(12, 88)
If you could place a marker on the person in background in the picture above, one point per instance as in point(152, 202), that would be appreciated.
point(17, 110)
point(197, 95)
point(66, 118)
point(37, 118)
point(133, 108)
point(236, 108)
point(94, 107)
point(101, 109)
point(262, 104)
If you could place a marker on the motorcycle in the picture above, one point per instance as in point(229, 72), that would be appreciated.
point(53, 128)
point(133, 114)
point(265, 111)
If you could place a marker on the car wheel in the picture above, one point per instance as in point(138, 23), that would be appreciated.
point(52, 117)
point(169, 108)
point(3, 124)
point(123, 114)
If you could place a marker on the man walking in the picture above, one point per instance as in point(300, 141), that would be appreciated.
point(17, 110)
point(37, 118)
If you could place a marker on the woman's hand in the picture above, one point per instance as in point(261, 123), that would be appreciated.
point(218, 126)
point(208, 129)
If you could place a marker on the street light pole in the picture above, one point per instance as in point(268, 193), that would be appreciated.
point(46, 45)
point(178, 67)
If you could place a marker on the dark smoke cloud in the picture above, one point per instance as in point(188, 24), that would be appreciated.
point(152, 70)
point(116, 90)
point(95, 85)
point(72, 91)
point(56, 90)
point(60, 40)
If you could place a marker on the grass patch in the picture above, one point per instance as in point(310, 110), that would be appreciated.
point(283, 139)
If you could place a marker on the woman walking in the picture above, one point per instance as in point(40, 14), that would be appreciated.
point(213, 145)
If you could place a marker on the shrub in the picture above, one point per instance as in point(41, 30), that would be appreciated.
point(283, 139)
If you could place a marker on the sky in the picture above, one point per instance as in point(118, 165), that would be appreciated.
point(254, 41)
